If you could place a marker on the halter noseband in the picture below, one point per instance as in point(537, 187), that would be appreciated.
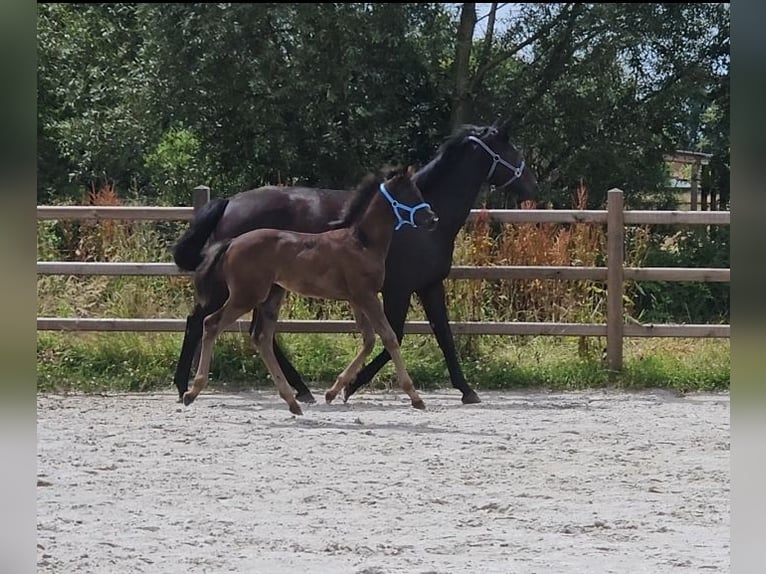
point(400, 206)
point(496, 159)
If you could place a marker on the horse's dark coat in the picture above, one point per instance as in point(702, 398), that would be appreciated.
point(418, 261)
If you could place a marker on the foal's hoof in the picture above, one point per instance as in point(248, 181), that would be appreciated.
point(471, 398)
point(306, 398)
point(295, 408)
point(188, 399)
point(419, 404)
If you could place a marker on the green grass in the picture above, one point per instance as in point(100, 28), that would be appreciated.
point(97, 362)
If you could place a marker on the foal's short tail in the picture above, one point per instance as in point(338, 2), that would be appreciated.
point(187, 252)
point(205, 280)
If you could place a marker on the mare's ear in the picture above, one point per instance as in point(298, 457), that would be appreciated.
point(410, 171)
point(504, 129)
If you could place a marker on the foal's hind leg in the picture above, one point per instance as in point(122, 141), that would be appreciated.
point(213, 325)
point(302, 392)
point(263, 338)
point(374, 311)
point(368, 343)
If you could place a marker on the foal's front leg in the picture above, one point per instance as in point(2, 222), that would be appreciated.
point(374, 311)
point(368, 343)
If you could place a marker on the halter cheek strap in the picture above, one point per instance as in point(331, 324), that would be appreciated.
point(496, 159)
point(400, 206)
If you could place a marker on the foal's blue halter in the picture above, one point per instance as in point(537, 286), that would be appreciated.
point(496, 159)
point(406, 208)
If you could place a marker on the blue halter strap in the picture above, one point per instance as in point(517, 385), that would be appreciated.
point(400, 206)
point(496, 159)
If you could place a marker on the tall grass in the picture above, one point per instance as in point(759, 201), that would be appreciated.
point(138, 361)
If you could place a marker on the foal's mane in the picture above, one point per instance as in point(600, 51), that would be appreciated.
point(361, 197)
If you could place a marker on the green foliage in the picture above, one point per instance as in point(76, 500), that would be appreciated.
point(685, 302)
point(172, 165)
point(161, 96)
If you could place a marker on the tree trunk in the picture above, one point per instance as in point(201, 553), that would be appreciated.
point(462, 63)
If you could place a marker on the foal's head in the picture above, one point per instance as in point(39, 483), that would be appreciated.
point(399, 190)
point(406, 200)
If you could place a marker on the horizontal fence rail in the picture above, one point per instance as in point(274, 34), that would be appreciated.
point(632, 217)
point(614, 275)
point(410, 327)
point(457, 272)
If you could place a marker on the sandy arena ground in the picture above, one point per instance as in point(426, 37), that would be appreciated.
point(589, 482)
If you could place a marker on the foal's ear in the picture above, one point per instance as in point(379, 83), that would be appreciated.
point(410, 171)
point(392, 171)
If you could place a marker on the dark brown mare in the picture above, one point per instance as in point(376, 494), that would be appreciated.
point(343, 264)
point(418, 261)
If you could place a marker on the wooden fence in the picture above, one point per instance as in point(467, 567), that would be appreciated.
point(614, 274)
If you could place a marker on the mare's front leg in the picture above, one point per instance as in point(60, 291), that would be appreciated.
point(263, 338)
point(368, 343)
point(395, 306)
point(374, 311)
point(435, 307)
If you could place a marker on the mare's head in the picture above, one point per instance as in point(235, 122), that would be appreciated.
point(501, 162)
point(406, 200)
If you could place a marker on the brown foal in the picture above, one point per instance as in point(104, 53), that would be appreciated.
point(346, 263)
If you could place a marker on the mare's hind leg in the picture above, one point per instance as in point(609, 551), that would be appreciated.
point(263, 338)
point(368, 343)
point(190, 347)
point(374, 311)
point(212, 327)
point(302, 392)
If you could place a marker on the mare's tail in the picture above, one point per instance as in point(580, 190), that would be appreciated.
point(205, 279)
point(187, 252)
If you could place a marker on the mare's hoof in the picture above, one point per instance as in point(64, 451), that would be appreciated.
point(471, 398)
point(306, 398)
point(329, 396)
point(295, 408)
point(187, 399)
point(419, 404)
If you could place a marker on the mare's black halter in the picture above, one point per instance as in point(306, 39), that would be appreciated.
point(496, 159)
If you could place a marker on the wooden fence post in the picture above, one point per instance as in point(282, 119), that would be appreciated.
point(200, 196)
point(615, 244)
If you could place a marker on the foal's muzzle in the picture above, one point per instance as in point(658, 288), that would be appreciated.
point(432, 222)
